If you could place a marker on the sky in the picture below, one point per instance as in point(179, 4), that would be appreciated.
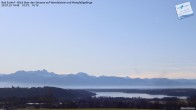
point(135, 38)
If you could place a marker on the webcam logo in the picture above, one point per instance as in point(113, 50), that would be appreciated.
point(184, 10)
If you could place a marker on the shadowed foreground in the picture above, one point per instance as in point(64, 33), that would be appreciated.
point(51, 98)
point(91, 109)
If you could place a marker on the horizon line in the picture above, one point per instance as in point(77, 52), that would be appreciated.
point(94, 75)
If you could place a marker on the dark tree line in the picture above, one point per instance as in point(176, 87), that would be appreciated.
point(48, 97)
point(101, 102)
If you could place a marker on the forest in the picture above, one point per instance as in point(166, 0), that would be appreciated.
point(56, 98)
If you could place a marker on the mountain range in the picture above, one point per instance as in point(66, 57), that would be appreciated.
point(45, 78)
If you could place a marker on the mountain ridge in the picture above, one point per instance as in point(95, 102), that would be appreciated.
point(45, 78)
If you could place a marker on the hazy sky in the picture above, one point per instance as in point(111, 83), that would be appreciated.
point(135, 38)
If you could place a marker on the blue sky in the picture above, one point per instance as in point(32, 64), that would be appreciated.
point(134, 38)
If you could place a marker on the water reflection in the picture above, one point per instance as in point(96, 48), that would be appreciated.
point(130, 95)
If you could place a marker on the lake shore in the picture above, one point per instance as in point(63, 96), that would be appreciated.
point(182, 92)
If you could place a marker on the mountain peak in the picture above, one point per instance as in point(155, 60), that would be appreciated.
point(82, 74)
point(44, 70)
point(43, 77)
point(38, 73)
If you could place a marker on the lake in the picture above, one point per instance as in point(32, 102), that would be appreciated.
point(130, 95)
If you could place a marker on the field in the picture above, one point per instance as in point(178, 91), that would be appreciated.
point(89, 109)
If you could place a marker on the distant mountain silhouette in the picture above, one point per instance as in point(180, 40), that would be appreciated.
point(45, 78)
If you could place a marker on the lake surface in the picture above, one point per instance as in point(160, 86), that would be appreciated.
point(131, 95)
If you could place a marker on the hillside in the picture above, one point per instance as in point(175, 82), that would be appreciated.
point(57, 93)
